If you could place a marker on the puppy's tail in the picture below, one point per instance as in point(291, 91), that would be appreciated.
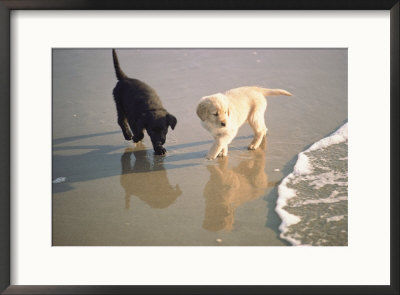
point(120, 74)
point(270, 92)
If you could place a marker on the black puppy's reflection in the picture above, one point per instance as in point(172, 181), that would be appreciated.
point(147, 181)
point(228, 188)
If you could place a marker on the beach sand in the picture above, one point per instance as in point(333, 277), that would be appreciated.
point(110, 192)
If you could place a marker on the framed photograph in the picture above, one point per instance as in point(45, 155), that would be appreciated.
point(161, 147)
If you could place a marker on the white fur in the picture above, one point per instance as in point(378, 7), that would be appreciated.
point(233, 108)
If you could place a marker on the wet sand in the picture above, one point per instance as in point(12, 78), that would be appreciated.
point(119, 193)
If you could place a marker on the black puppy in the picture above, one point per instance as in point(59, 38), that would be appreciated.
point(140, 108)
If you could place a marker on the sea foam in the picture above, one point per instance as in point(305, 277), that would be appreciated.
point(312, 200)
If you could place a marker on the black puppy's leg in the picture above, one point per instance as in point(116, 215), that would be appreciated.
point(123, 123)
point(159, 149)
point(158, 145)
point(125, 129)
point(138, 136)
point(137, 130)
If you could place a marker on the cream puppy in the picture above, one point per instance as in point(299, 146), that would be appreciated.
point(223, 113)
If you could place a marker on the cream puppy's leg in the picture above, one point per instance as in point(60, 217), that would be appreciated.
point(256, 122)
point(224, 152)
point(220, 146)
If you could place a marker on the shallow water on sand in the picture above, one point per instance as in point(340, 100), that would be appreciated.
point(110, 192)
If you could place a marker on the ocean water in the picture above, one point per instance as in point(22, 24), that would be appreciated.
point(312, 200)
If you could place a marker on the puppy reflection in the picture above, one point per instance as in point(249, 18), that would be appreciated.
point(228, 188)
point(146, 181)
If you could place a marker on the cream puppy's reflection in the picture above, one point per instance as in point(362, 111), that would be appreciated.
point(228, 188)
point(146, 181)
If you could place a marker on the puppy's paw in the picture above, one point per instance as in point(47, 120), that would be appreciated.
point(160, 150)
point(252, 147)
point(209, 157)
point(128, 136)
point(137, 138)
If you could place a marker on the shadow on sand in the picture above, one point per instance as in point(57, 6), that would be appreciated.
point(100, 161)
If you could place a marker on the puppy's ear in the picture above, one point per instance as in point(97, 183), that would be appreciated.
point(202, 110)
point(171, 121)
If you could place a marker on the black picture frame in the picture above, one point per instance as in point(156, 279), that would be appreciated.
point(6, 6)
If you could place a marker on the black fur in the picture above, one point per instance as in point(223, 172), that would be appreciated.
point(139, 108)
